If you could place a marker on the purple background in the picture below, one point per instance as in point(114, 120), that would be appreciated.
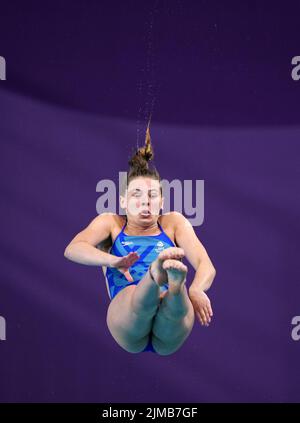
point(82, 78)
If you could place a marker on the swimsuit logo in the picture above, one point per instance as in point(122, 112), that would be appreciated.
point(160, 247)
point(126, 242)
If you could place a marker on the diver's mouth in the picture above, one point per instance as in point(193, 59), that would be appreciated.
point(145, 213)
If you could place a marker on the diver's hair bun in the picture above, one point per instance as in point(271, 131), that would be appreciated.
point(139, 162)
point(143, 155)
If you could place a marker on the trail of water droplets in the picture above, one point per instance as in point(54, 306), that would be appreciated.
point(147, 86)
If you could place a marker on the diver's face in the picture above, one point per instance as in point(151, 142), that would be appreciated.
point(143, 199)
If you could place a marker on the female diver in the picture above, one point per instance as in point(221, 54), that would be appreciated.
point(141, 255)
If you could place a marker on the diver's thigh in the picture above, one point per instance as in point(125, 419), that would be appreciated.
point(126, 327)
point(118, 312)
point(171, 338)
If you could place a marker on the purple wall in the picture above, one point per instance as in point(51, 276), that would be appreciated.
point(81, 81)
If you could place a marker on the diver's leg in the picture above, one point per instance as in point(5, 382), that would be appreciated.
point(131, 311)
point(144, 298)
point(130, 330)
point(175, 317)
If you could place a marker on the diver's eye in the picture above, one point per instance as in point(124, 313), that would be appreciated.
point(153, 194)
point(136, 194)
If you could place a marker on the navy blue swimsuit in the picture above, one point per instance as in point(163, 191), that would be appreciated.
point(148, 248)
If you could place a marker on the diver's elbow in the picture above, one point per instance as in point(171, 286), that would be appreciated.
point(213, 272)
point(67, 252)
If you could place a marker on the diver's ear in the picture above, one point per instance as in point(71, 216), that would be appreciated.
point(123, 202)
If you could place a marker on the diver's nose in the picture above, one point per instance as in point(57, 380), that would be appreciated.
point(145, 201)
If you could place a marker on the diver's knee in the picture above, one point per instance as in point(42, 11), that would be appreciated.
point(133, 346)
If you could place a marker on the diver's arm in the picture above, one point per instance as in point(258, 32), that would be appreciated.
point(205, 272)
point(204, 276)
point(82, 249)
point(195, 252)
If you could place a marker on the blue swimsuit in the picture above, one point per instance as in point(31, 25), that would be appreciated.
point(148, 248)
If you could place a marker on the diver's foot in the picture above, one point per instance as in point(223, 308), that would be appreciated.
point(158, 272)
point(177, 272)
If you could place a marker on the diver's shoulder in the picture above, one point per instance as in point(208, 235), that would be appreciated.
point(172, 215)
point(113, 218)
point(171, 218)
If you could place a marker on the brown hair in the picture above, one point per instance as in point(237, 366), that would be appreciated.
point(139, 161)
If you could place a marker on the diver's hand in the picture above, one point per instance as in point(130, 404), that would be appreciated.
point(201, 304)
point(123, 264)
